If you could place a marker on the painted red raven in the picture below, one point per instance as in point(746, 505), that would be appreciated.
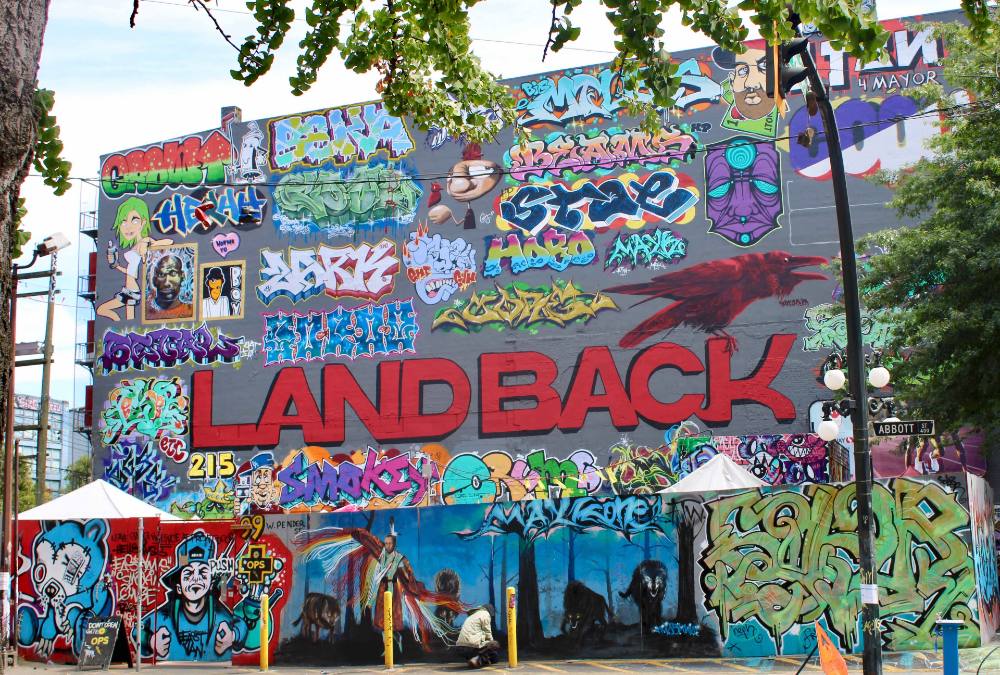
point(709, 295)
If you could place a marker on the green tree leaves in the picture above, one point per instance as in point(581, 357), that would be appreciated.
point(421, 49)
point(940, 277)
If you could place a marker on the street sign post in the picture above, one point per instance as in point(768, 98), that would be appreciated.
point(904, 428)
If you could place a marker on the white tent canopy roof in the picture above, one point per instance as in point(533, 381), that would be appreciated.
point(718, 473)
point(97, 499)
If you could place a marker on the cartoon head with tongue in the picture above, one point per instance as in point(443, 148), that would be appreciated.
point(438, 267)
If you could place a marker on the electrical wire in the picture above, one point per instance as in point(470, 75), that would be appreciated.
point(953, 111)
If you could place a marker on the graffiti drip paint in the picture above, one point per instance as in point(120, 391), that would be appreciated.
point(368, 330)
point(750, 558)
point(551, 249)
point(344, 202)
point(646, 248)
point(166, 347)
point(149, 406)
point(339, 137)
point(190, 162)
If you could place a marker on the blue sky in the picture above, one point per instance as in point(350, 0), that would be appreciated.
point(118, 87)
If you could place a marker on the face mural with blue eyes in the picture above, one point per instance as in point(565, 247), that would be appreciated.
point(744, 190)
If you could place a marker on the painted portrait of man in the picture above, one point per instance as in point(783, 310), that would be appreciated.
point(222, 290)
point(168, 291)
point(750, 110)
point(743, 189)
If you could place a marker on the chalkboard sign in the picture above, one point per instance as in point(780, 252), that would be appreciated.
point(102, 644)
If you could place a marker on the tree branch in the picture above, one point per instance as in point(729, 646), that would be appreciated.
point(201, 4)
point(552, 29)
point(135, 13)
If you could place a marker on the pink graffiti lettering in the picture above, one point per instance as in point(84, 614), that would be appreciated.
point(609, 149)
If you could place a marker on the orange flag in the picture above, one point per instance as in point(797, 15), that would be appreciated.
point(830, 659)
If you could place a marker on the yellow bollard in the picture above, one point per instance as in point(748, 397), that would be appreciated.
point(511, 628)
point(265, 618)
point(387, 628)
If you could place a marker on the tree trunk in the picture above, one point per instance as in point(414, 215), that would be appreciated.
point(22, 26)
point(571, 558)
point(529, 618)
point(686, 612)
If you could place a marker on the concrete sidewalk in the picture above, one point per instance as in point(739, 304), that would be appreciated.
point(902, 662)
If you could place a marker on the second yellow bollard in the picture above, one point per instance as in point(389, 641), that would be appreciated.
point(265, 617)
point(387, 628)
point(511, 628)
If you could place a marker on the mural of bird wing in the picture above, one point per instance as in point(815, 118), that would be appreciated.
point(704, 279)
point(696, 290)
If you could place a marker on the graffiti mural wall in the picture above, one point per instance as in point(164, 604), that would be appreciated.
point(333, 309)
point(742, 573)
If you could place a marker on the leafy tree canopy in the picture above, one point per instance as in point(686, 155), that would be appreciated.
point(941, 279)
point(422, 49)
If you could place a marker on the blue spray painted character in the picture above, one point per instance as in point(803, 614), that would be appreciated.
point(67, 564)
point(193, 624)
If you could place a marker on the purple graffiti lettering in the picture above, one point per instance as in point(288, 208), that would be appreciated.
point(167, 347)
point(381, 477)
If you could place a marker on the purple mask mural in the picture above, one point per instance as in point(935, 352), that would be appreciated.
point(744, 190)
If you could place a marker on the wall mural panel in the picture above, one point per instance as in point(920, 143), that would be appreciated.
point(745, 573)
point(332, 311)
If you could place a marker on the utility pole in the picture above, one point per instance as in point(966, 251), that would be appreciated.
point(7, 563)
point(42, 455)
point(781, 77)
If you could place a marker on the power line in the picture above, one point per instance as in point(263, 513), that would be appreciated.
point(955, 110)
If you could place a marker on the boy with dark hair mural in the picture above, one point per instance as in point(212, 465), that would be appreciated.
point(193, 624)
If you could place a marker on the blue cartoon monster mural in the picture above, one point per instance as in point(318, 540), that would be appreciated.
point(66, 576)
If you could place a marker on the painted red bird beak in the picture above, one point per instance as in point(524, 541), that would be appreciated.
point(796, 261)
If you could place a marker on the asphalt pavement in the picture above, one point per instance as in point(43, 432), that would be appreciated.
point(982, 660)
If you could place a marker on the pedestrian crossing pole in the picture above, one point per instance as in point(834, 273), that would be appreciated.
point(265, 621)
point(511, 628)
point(387, 640)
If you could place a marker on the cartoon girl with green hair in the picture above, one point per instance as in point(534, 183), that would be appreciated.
point(132, 231)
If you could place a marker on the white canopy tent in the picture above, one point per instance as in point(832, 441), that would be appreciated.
point(718, 473)
point(97, 499)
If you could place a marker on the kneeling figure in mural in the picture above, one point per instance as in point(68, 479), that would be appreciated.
point(475, 641)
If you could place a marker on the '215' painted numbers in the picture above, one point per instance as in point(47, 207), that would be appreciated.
point(206, 465)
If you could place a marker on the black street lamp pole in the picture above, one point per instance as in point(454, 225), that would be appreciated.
point(855, 361)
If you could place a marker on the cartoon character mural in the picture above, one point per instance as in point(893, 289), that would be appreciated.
point(66, 587)
point(743, 188)
point(750, 111)
point(471, 178)
point(131, 230)
point(193, 623)
point(255, 488)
